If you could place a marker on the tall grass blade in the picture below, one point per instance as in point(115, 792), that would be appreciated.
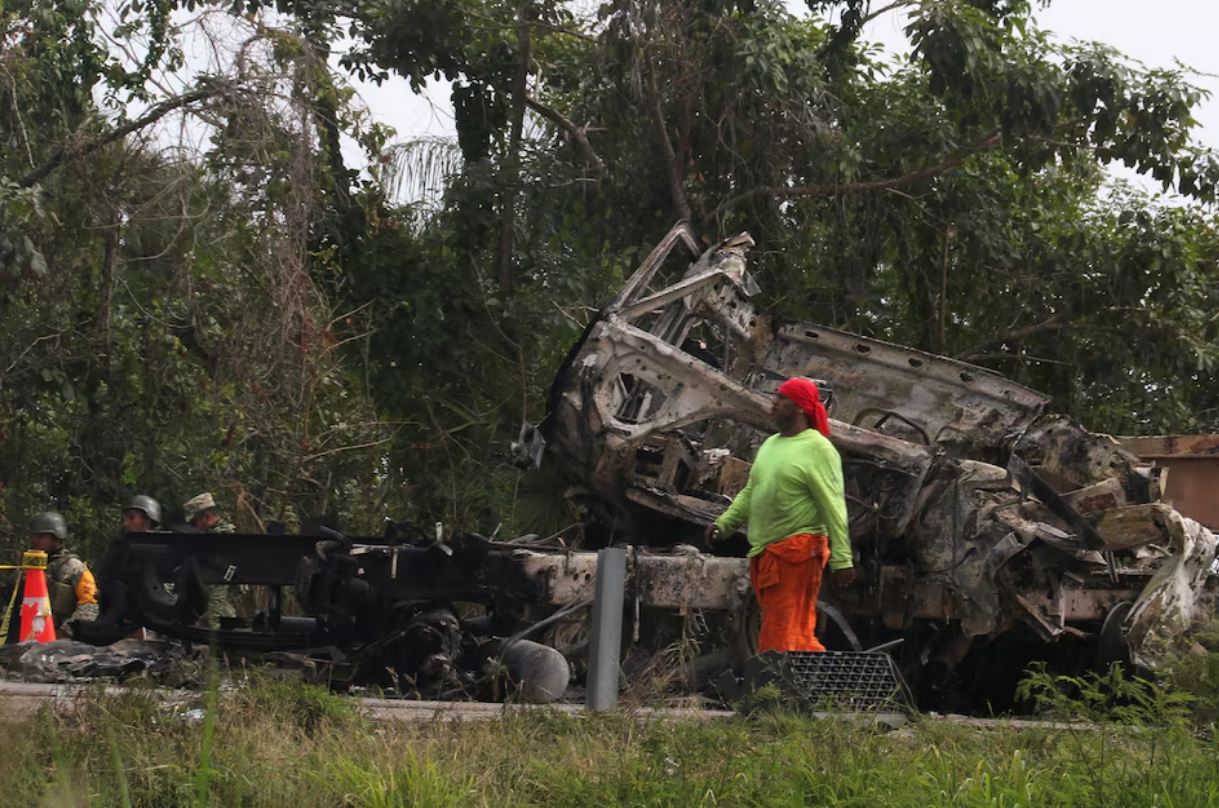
point(203, 776)
point(120, 774)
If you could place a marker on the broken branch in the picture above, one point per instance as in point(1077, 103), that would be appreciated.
point(927, 172)
point(1058, 321)
point(575, 132)
point(672, 165)
point(1052, 324)
point(884, 10)
point(75, 149)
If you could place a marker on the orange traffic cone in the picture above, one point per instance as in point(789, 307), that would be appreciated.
point(36, 621)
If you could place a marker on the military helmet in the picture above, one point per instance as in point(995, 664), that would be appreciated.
point(147, 505)
point(50, 522)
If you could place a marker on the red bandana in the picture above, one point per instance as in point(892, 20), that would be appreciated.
point(807, 398)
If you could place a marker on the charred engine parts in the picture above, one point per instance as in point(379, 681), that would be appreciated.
point(382, 608)
point(385, 611)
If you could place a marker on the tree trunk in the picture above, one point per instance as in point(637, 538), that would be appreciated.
point(109, 261)
point(673, 167)
point(512, 163)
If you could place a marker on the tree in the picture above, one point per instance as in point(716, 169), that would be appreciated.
point(161, 324)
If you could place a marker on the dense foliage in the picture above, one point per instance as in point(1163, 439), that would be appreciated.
point(227, 305)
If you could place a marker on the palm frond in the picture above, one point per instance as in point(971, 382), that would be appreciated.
point(419, 170)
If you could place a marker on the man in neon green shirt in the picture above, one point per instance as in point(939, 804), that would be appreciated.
point(796, 511)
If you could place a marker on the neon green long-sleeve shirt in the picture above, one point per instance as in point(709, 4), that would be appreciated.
point(795, 486)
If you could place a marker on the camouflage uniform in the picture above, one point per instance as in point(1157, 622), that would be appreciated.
point(72, 589)
point(70, 585)
point(220, 597)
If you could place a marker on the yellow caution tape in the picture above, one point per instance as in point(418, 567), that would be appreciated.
point(8, 613)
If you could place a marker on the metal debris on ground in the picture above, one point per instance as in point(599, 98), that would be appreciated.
point(846, 680)
point(839, 681)
point(72, 661)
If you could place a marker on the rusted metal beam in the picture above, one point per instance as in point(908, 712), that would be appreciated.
point(1190, 466)
point(670, 581)
point(1161, 447)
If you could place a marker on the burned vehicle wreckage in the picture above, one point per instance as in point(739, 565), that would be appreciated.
point(987, 534)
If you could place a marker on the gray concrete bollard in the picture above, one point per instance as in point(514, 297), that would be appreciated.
point(606, 639)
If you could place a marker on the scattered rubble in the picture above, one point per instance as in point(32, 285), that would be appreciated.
point(71, 661)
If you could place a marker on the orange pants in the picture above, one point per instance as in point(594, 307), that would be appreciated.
point(786, 578)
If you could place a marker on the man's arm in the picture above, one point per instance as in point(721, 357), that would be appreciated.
point(738, 512)
point(826, 486)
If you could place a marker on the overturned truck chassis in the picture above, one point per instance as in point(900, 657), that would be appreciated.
point(389, 609)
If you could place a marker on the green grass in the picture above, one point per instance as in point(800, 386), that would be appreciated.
point(270, 743)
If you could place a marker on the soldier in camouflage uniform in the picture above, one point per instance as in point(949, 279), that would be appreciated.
point(69, 582)
point(204, 516)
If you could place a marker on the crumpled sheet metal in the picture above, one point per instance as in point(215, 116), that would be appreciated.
point(72, 661)
point(909, 393)
point(689, 392)
point(952, 542)
point(1070, 458)
point(1075, 528)
point(1175, 594)
point(1132, 526)
point(974, 525)
point(692, 391)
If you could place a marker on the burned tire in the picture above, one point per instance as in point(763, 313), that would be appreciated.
point(1111, 647)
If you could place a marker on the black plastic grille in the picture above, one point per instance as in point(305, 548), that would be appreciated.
point(844, 680)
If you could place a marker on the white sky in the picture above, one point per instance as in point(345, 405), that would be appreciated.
point(1155, 32)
